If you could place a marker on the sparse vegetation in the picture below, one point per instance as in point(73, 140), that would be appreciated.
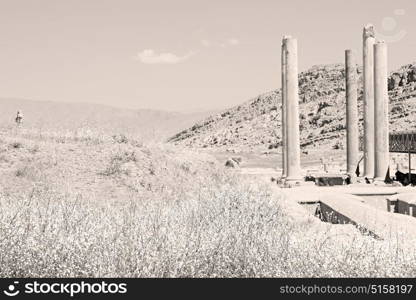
point(174, 213)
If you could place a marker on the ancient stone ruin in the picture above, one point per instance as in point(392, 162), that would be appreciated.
point(290, 111)
point(375, 98)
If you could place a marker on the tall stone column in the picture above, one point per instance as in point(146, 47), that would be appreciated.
point(381, 117)
point(283, 113)
point(284, 105)
point(368, 99)
point(352, 112)
point(292, 112)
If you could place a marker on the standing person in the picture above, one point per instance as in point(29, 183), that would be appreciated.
point(19, 117)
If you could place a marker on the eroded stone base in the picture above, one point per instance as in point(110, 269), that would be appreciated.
point(290, 183)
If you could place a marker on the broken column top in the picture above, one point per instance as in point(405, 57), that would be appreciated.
point(285, 39)
point(368, 31)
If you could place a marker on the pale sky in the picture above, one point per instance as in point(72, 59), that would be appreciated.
point(182, 55)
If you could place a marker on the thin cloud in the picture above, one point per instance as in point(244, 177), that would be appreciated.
point(224, 44)
point(205, 43)
point(233, 42)
point(149, 56)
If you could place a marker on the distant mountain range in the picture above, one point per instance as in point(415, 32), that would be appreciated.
point(257, 123)
point(149, 124)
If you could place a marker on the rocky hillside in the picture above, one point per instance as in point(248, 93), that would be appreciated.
point(256, 123)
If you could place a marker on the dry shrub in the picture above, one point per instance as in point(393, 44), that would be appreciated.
point(184, 216)
point(220, 228)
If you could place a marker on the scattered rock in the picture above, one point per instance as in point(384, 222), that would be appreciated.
point(237, 159)
point(230, 163)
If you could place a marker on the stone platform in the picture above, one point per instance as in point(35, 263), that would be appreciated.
point(326, 179)
point(349, 209)
point(348, 205)
point(305, 194)
point(403, 203)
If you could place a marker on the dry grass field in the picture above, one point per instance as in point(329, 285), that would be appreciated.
point(85, 203)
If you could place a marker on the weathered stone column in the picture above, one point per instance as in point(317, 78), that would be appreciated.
point(368, 99)
point(352, 112)
point(381, 117)
point(283, 114)
point(292, 112)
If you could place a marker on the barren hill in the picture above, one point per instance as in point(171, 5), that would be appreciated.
point(148, 124)
point(256, 123)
